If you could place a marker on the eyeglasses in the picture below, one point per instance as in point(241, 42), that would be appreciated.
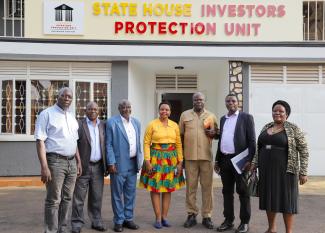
point(231, 101)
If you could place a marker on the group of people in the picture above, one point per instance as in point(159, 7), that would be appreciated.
point(75, 157)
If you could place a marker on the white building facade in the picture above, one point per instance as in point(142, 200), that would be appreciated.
point(149, 51)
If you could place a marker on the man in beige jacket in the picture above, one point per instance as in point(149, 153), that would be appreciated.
point(198, 127)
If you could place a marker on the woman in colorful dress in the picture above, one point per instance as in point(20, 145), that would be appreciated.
point(162, 170)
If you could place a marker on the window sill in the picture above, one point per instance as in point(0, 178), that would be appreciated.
point(13, 18)
point(16, 138)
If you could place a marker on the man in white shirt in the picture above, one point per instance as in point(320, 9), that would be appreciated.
point(237, 133)
point(56, 135)
point(91, 145)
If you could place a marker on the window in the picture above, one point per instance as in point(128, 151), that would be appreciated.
point(15, 8)
point(12, 18)
point(29, 88)
point(90, 91)
point(313, 20)
point(43, 95)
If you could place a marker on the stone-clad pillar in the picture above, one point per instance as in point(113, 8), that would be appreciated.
point(236, 80)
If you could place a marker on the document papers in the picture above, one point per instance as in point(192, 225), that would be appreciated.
point(239, 161)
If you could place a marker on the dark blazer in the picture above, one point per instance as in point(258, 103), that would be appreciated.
point(84, 144)
point(244, 136)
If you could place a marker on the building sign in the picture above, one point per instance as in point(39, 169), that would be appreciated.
point(63, 18)
point(179, 20)
point(185, 10)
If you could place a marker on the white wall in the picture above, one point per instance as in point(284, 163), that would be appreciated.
point(307, 112)
point(212, 81)
point(138, 92)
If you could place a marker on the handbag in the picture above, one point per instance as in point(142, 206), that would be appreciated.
point(251, 181)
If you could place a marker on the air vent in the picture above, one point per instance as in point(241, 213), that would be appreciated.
point(91, 69)
point(186, 82)
point(49, 69)
point(303, 74)
point(13, 69)
point(267, 74)
point(176, 82)
point(165, 82)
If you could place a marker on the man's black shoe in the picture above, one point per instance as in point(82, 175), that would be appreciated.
point(190, 221)
point(98, 228)
point(225, 226)
point(207, 223)
point(131, 225)
point(118, 227)
point(242, 228)
point(75, 231)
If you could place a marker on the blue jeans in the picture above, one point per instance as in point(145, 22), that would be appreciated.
point(59, 193)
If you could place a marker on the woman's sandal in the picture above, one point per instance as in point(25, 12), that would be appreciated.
point(165, 223)
point(157, 225)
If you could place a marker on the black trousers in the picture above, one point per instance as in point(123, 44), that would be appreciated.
point(229, 178)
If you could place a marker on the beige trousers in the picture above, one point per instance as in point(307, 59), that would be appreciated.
point(196, 170)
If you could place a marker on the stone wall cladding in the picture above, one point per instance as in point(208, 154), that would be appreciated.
point(236, 80)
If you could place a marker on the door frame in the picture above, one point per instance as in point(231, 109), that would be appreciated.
point(171, 91)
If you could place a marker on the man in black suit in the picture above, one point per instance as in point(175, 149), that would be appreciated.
point(237, 133)
point(91, 145)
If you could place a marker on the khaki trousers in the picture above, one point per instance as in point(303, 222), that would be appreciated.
point(196, 170)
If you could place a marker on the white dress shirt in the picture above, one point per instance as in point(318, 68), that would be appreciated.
point(58, 129)
point(95, 154)
point(130, 132)
point(227, 145)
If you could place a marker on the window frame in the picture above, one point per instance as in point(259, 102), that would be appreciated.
point(71, 80)
point(73, 87)
point(12, 4)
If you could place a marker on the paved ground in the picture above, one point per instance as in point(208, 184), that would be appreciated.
point(21, 210)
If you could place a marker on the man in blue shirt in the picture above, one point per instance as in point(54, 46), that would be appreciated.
point(56, 135)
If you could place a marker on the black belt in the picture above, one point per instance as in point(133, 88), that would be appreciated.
point(131, 158)
point(270, 147)
point(95, 163)
point(229, 156)
point(66, 157)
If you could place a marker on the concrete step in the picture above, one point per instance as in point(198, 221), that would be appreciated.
point(26, 181)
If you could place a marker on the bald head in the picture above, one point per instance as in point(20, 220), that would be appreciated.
point(198, 94)
point(198, 102)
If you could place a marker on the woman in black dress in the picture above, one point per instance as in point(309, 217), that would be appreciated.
point(282, 159)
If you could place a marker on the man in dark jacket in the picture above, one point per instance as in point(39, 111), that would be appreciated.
point(237, 133)
point(91, 145)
